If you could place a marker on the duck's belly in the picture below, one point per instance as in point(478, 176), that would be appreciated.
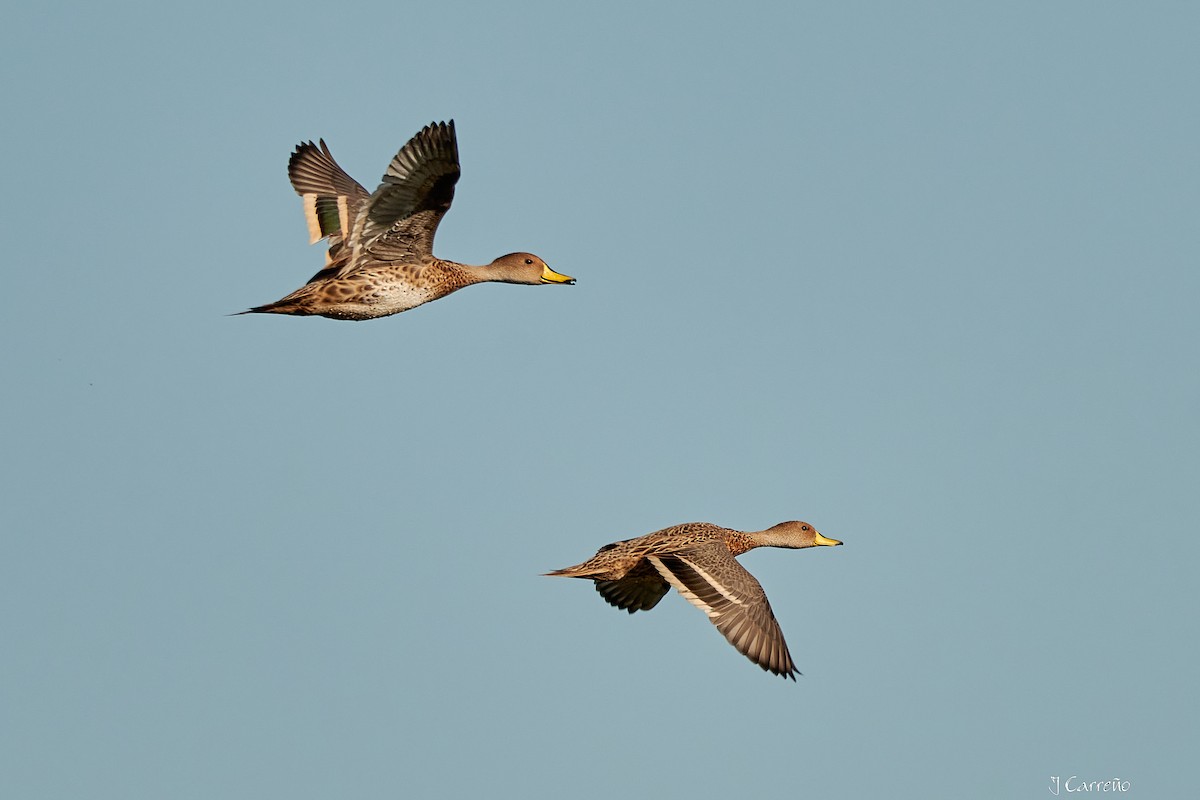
point(382, 300)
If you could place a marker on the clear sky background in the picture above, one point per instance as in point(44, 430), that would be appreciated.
point(923, 274)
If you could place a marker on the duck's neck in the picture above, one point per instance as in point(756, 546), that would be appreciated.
point(497, 273)
point(774, 537)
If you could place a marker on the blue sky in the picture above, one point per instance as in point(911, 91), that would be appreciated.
point(922, 275)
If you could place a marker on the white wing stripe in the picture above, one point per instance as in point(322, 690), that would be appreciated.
point(682, 588)
point(712, 581)
point(691, 596)
point(310, 217)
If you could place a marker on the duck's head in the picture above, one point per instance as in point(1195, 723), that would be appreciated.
point(796, 534)
point(526, 268)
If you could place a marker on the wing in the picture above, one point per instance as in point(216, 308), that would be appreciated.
point(401, 217)
point(713, 581)
point(331, 200)
point(640, 589)
point(330, 195)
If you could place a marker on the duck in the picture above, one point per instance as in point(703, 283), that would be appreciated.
point(380, 259)
point(699, 559)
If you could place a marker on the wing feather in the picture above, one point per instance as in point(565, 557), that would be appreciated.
point(634, 592)
point(712, 580)
point(401, 216)
point(331, 197)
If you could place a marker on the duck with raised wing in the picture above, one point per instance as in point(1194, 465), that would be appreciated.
point(380, 259)
point(699, 560)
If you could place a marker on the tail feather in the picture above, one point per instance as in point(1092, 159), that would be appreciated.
point(570, 572)
point(278, 307)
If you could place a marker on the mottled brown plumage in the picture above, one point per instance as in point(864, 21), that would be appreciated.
point(698, 559)
point(380, 259)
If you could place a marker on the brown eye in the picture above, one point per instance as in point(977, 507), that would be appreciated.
point(803, 527)
point(529, 261)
